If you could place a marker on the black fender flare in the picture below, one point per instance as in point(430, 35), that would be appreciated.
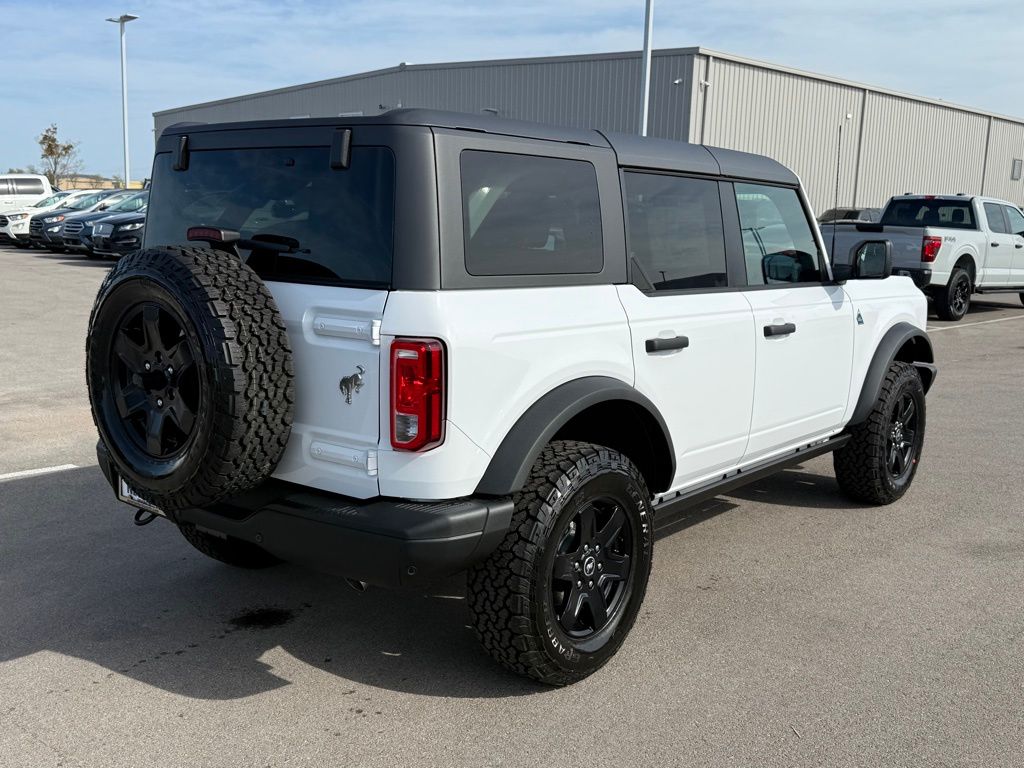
point(510, 465)
point(888, 348)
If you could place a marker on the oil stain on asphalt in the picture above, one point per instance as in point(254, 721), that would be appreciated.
point(263, 618)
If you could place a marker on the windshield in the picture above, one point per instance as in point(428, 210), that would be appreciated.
point(51, 200)
point(925, 212)
point(130, 204)
point(87, 201)
point(342, 219)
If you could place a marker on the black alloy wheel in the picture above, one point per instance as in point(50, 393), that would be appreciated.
point(156, 379)
point(592, 568)
point(901, 446)
point(961, 297)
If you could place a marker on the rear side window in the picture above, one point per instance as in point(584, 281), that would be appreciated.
point(778, 243)
point(951, 214)
point(1016, 219)
point(994, 216)
point(28, 186)
point(342, 220)
point(676, 237)
point(527, 215)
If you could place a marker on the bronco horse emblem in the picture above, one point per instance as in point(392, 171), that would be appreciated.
point(350, 385)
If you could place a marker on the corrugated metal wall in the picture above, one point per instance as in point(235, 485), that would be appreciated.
point(890, 143)
point(919, 147)
point(792, 119)
point(593, 91)
point(1005, 144)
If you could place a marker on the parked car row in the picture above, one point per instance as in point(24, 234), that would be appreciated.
point(94, 223)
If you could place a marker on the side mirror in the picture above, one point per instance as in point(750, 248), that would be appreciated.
point(872, 260)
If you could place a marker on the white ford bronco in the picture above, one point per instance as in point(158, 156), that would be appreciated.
point(409, 345)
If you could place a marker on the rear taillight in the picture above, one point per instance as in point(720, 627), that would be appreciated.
point(930, 248)
point(417, 394)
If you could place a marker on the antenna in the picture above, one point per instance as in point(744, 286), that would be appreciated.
point(839, 160)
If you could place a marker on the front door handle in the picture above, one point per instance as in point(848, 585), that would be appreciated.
point(1018, 245)
point(661, 345)
point(995, 245)
point(779, 330)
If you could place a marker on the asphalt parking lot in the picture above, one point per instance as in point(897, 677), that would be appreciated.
point(783, 625)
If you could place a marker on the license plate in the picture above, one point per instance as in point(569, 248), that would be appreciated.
point(128, 496)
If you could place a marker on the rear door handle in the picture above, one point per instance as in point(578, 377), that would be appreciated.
point(661, 345)
point(779, 330)
point(1018, 245)
point(995, 245)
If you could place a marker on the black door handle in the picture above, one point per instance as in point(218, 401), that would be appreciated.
point(1018, 245)
point(660, 345)
point(995, 245)
point(779, 330)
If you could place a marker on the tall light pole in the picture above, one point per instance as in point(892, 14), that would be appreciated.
point(121, 21)
point(648, 30)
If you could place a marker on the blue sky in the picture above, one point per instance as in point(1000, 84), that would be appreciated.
point(181, 53)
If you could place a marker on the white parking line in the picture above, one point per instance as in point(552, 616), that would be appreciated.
point(33, 472)
point(968, 325)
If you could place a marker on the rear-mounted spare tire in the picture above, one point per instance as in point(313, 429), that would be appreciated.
point(190, 375)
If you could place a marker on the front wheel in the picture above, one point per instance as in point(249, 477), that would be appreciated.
point(557, 598)
point(879, 462)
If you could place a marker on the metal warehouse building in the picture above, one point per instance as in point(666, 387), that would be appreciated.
point(891, 142)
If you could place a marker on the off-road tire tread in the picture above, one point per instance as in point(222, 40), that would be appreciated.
point(860, 464)
point(253, 416)
point(236, 552)
point(500, 589)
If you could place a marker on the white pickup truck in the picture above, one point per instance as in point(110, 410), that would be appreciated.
point(951, 245)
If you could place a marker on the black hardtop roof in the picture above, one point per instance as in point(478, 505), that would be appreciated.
point(631, 150)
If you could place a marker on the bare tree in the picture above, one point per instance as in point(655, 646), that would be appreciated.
point(60, 158)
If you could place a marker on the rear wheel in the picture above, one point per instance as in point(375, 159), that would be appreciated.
point(557, 598)
point(953, 301)
point(879, 462)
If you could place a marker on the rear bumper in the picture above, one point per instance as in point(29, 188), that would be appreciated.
point(920, 275)
point(390, 542)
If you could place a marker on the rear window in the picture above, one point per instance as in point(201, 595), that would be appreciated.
point(527, 215)
point(952, 214)
point(343, 220)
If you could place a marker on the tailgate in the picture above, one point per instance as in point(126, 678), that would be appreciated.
point(335, 338)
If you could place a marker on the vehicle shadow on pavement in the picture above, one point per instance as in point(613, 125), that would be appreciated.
point(796, 487)
point(78, 578)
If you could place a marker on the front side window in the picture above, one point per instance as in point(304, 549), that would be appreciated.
point(1016, 219)
point(676, 237)
point(994, 216)
point(340, 222)
point(778, 243)
point(527, 215)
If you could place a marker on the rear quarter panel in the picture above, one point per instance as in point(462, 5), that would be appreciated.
point(505, 350)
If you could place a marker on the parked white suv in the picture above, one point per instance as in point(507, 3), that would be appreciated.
point(412, 344)
point(18, 190)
